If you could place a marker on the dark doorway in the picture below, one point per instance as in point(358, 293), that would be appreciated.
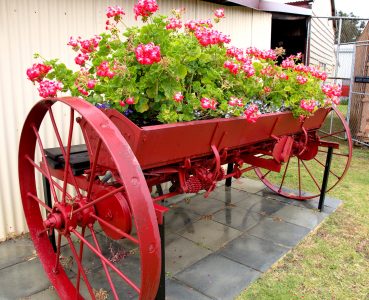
point(290, 32)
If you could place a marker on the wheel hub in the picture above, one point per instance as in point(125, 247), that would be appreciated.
point(64, 220)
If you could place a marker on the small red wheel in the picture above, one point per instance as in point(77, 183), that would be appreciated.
point(302, 175)
point(82, 204)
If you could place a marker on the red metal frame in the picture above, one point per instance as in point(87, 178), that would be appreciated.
point(190, 155)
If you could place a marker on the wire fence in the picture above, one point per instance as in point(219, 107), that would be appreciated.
point(352, 73)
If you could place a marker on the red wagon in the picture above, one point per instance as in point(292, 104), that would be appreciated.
point(107, 178)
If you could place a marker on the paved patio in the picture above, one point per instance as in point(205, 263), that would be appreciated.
point(215, 247)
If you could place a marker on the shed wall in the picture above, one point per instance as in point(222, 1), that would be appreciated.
point(322, 37)
point(44, 26)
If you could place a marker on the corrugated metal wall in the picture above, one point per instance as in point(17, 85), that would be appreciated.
point(44, 26)
point(322, 37)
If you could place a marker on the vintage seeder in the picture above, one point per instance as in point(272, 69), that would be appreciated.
point(100, 179)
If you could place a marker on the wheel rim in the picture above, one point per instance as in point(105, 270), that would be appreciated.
point(78, 208)
point(301, 176)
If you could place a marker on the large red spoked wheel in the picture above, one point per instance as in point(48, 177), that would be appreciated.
point(108, 243)
point(302, 175)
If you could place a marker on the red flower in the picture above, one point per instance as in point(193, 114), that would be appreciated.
point(147, 54)
point(145, 8)
point(49, 88)
point(178, 97)
point(252, 113)
point(37, 72)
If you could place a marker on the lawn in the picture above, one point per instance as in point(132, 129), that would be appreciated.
point(333, 261)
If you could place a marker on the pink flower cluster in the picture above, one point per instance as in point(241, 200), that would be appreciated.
point(249, 69)
point(238, 54)
point(231, 66)
point(207, 36)
point(103, 70)
point(207, 103)
point(174, 23)
point(333, 92)
point(86, 46)
point(193, 25)
point(308, 105)
point(148, 54)
point(283, 76)
point(145, 8)
point(252, 113)
point(129, 101)
point(315, 72)
point(81, 59)
point(114, 11)
point(260, 54)
point(219, 13)
point(178, 97)
point(37, 72)
point(301, 79)
point(268, 71)
point(234, 101)
point(288, 63)
point(49, 88)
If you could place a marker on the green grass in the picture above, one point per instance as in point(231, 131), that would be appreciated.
point(332, 262)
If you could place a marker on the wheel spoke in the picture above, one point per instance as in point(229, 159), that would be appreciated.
point(117, 230)
point(93, 169)
point(103, 263)
point(266, 174)
point(119, 273)
point(332, 134)
point(323, 165)
point(284, 175)
point(335, 153)
point(57, 134)
point(47, 170)
point(311, 175)
point(80, 267)
point(80, 258)
point(113, 192)
point(67, 157)
point(39, 202)
point(57, 259)
point(38, 168)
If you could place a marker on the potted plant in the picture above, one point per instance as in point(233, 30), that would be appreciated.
point(169, 71)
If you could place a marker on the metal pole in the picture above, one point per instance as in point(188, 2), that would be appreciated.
point(228, 182)
point(161, 291)
point(325, 178)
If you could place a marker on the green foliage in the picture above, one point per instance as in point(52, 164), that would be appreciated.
point(185, 67)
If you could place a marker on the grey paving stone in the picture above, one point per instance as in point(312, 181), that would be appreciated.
point(179, 218)
point(229, 195)
point(253, 252)
point(210, 234)
point(91, 261)
point(218, 277)
point(175, 290)
point(48, 294)
point(202, 206)
point(248, 202)
point(248, 185)
point(238, 218)
point(300, 216)
point(15, 251)
point(182, 253)
point(269, 194)
point(23, 279)
point(130, 266)
point(262, 206)
point(279, 232)
point(170, 237)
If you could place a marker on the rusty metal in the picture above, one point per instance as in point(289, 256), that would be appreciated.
point(125, 162)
